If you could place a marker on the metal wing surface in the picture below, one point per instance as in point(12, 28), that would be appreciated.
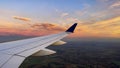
point(13, 53)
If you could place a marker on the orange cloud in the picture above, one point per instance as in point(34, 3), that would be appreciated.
point(106, 28)
point(48, 27)
point(36, 29)
point(22, 18)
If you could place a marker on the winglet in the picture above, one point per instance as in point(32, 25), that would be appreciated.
point(72, 28)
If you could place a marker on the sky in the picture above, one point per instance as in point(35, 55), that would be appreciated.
point(95, 18)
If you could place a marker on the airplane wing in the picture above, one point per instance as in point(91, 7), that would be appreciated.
point(13, 53)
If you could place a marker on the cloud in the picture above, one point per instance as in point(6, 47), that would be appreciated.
point(98, 16)
point(71, 19)
point(21, 18)
point(103, 0)
point(64, 14)
point(81, 13)
point(84, 10)
point(48, 27)
point(35, 29)
point(56, 10)
point(106, 28)
point(116, 4)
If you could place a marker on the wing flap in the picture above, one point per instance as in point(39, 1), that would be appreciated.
point(60, 42)
point(44, 52)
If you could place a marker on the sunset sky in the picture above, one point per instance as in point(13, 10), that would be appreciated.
point(95, 18)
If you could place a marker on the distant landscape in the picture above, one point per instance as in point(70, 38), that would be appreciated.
point(78, 53)
point(93, 43)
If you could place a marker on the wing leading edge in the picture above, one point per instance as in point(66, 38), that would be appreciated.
point(14, 53)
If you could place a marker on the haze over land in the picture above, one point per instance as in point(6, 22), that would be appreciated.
point(79, 54)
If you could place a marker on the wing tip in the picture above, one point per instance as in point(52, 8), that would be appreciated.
point(72, 28)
